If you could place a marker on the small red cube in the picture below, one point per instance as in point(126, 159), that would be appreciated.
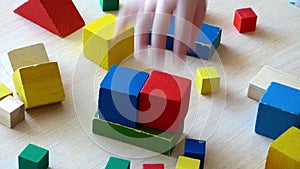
point(245, 20)
point(153, 166)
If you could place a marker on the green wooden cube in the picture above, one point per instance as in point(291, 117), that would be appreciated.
point(117, 163)
point(109, 5)
point(33, 157)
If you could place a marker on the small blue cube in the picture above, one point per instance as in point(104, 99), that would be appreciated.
point(195, 149)
point(119, 93)
point(278, 110)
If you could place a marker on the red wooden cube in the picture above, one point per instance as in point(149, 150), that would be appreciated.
point(245, 20)
point(153, 166)
point(164, 101)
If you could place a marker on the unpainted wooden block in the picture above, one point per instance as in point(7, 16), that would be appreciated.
point(11, 111)
point(102, 46)
point(57, 16)
point(117, 163)
point(153, 166)
point(259, 84)
point(187, 163)
point(284, 151)
point(208, 80)
point(195, 149)
point(33, 157)
point(278, 110)
point(109, 5)
point(4, 91)
point(164, 101)
point(39, 85)
point(245, 20)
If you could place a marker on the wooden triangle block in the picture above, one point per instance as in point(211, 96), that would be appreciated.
point(57, 16)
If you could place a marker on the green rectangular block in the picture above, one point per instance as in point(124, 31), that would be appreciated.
point(151, 139)
point(33, 157)
point(117, 163)
point(109, 5)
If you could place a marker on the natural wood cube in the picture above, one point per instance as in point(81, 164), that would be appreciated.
point(11, 111)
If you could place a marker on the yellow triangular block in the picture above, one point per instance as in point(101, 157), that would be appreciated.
point(4, 91)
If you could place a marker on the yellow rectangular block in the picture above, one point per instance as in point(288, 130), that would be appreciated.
point(11, 111)
point(187, 163)
point(4, 91)
point(284, 152)
point(207, 80)
point(102, 46)
point(39, 85)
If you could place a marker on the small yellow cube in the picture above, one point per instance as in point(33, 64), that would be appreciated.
point(187, 163)
point(102, 46)
point(284, 152)
point(207, 80)
point(4, 91)
point(39, 85)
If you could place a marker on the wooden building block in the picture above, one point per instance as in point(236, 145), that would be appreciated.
point(195, 149)
point(119, 93)
point(284, 152)
point(33, 157)
point(164, 101)
point(245, 20)
point(278, 110)
point(207, 42)
point(39, 85)
point(27, 56)
point(4, 91)
point(11, 111)
point(117, 163)
point(102, 46)
point(109, 5)
point(207, 80)
point(153, 166)
point(259, 84)
point(148, 138)
point(187, 163)
point(57, 16)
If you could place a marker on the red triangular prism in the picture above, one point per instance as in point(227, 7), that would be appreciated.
point(57, 16)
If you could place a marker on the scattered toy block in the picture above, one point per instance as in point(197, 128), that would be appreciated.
point(278, 110)
point(4, 91)
point(102, 46)
point(259, 84)
point(109, 5)
point(164, 101)
point(33, 157)
point(153, 166)
point(207, 42)
point(39, 84)
point(11, 111)
point(29, 55)
point(284, 151)
point(148, 138)
point(195, 149)
point(119, 93)
point(207, 80)
point(245, 20)
point(57, 16)
point(117, 163)
point(187, 163)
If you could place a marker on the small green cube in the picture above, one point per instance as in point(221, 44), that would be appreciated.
point(109, 5)
point(33, 157)
point(117, 163)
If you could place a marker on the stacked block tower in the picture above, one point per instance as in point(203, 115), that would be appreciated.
point(146, 110)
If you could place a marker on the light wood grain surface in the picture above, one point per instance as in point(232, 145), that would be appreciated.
point(226, 120)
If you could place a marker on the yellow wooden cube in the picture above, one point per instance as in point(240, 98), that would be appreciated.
point(207, 80)
point(4, 91)
point(39, 84)
point(102, 46)
point(187, 163)
point(284, 152)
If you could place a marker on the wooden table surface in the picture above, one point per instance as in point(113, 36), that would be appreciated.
point(226, 120)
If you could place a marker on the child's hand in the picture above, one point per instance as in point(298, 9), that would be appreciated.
point(189, 16)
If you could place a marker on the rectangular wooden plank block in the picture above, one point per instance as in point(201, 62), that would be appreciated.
point(4, 91)
point(154, 140)
point(259, 84)
point(11, 111)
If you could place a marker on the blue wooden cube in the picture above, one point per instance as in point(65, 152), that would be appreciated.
point(33, 157)
point(117, 163)
point(207, 42)
point(118, 95)
point(278, 110)
point(195, 149)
